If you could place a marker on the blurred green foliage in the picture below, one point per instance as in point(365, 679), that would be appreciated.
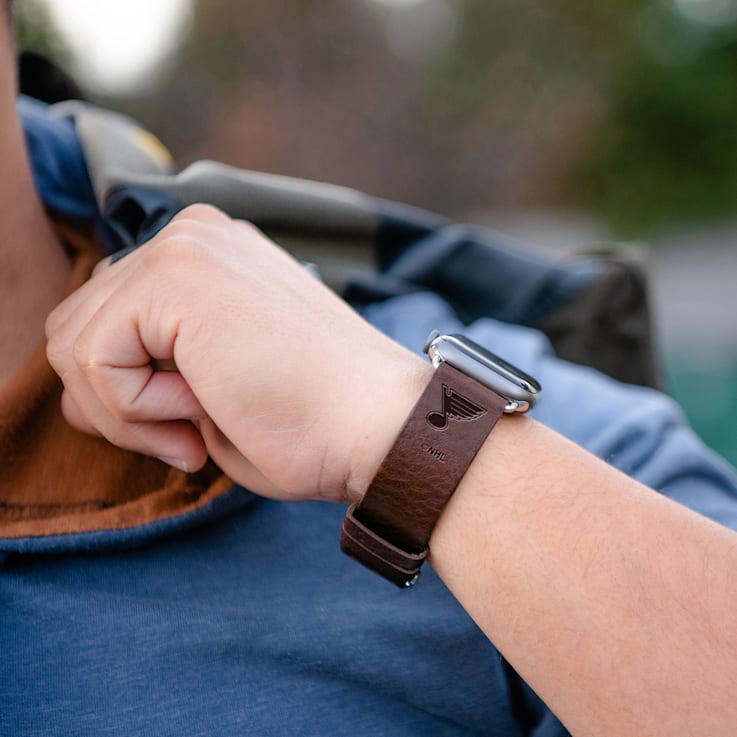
point(661, 148)
point(666, 152)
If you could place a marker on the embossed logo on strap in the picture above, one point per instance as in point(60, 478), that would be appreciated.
point(454, 407)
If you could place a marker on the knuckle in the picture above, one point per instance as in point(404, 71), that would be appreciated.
point(176, 246)
point(123, 412)
point(80, 355)
point(56, 352)
point(179, 243)
point(114, 434)
point(102, 265)
point(246, 227)
point(201, 212)
point(50, 324)
point(73, 413)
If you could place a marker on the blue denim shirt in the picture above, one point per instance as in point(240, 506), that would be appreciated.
point(243, 618)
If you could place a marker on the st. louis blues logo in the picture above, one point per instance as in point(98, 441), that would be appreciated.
point(455, 407)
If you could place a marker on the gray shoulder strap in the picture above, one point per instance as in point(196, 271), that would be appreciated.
point(119, 153)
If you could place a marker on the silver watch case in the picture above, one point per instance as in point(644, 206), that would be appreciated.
point(520, 390)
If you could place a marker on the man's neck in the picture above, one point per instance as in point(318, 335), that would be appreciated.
point(34, 270)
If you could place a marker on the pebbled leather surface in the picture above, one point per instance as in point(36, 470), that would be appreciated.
point(420, 473)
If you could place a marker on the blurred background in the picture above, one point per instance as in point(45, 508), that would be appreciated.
point(565, 124)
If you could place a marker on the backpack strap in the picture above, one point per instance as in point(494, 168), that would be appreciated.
point(121, 156)
point(593, 308)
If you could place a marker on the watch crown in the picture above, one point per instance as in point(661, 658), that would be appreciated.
point(434, 334)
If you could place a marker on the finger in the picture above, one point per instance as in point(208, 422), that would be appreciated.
point(93, 293)
point(178, 443)
point(193, 221)
point(202, 213)
point(80, 405)
point(123, 252)
point(75, 416)
point(102, 265)
point(140, 394)
point(107, 364)
point(65, 323)
point(106, 339)
point(68, 321)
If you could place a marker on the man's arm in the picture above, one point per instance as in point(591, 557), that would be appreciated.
point(614, 603)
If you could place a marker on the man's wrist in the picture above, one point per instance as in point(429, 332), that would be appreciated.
point(401, 385)
point(390, 529)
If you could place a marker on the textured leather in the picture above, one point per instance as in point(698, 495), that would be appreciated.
point(396, 565)
point(390, 529)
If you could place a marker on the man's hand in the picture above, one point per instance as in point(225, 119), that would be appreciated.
point(289, 390)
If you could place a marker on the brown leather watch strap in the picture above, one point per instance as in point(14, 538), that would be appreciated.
point(389, 531)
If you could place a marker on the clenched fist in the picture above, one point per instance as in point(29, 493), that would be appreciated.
point(277, 379)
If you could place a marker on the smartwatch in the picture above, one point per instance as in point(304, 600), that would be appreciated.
point(470, 389)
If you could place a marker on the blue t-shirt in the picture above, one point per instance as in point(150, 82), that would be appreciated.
point(243, 618)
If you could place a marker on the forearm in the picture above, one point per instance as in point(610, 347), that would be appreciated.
point(612, 602)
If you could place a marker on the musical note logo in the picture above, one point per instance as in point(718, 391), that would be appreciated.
point(455, 407)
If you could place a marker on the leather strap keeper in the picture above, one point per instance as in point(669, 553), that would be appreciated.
point(389, 530)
